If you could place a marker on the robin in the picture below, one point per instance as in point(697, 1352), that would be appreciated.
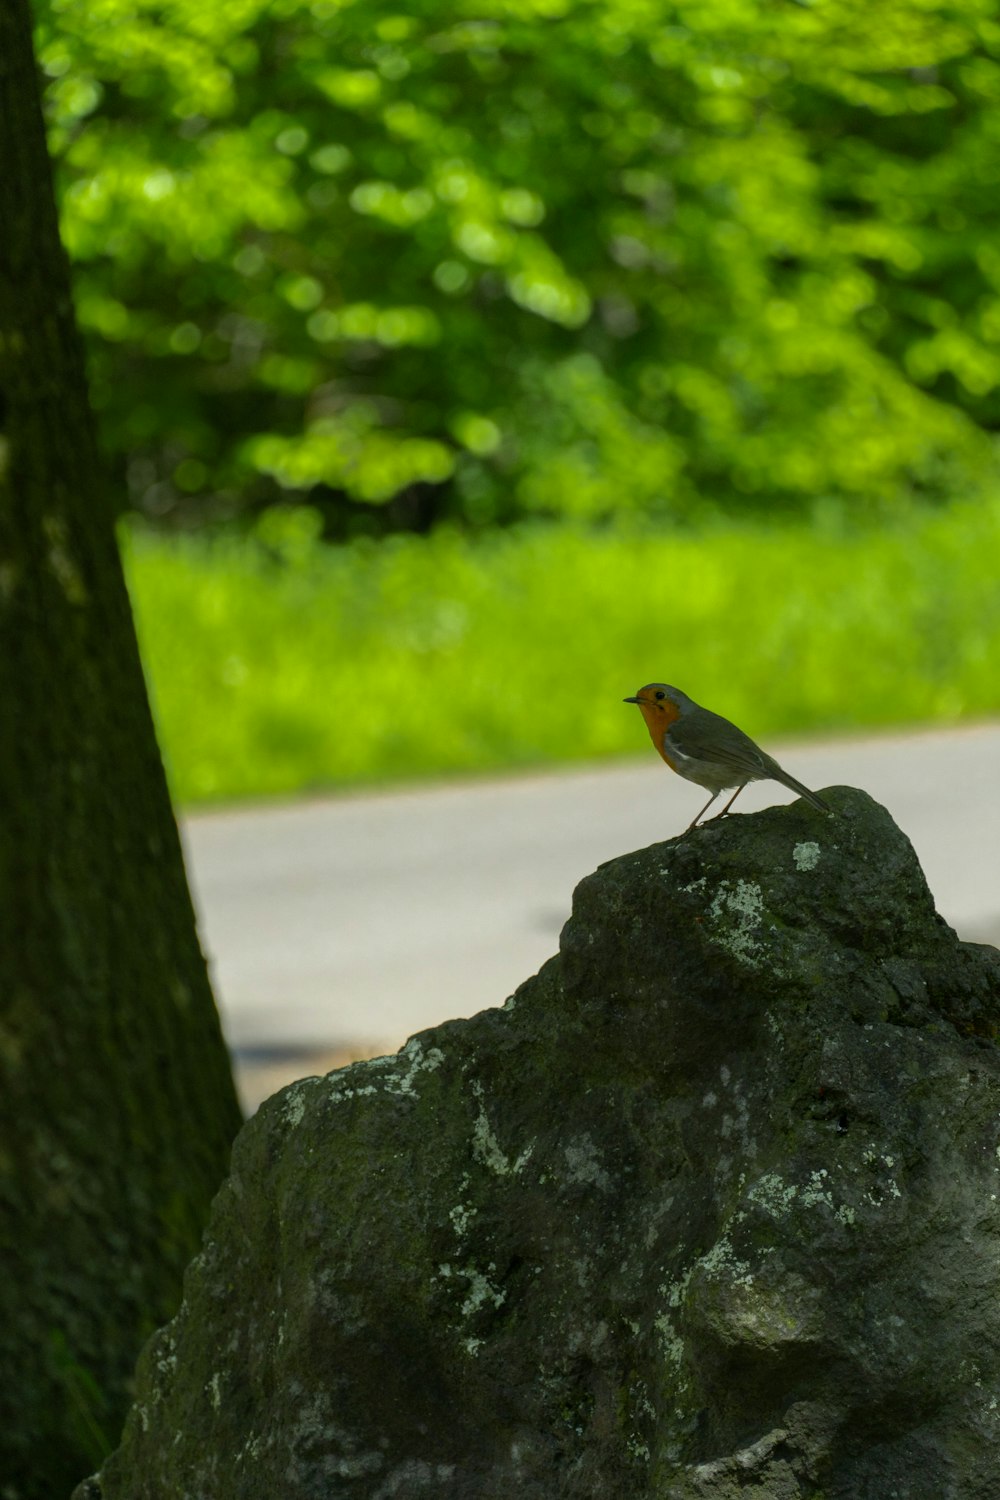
point(705, 748)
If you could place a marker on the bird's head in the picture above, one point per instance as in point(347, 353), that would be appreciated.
point(660, 705)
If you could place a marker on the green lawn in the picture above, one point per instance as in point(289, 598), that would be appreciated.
point(283, 665)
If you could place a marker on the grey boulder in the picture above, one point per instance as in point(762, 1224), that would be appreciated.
point(710, 1209)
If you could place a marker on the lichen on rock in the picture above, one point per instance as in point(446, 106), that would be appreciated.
point(711, 1211)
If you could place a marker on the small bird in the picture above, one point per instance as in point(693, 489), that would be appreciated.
point(708, 749)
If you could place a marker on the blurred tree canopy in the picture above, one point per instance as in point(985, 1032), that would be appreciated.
point(558, 257)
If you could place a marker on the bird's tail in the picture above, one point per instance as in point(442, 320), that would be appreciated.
point(803, 791)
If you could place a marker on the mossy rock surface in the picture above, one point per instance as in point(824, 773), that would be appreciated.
point(710, 1208)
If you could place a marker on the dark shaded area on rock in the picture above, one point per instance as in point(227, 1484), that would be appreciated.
point(709, 1209)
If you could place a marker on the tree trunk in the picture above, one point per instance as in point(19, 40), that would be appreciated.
point(117, 1105)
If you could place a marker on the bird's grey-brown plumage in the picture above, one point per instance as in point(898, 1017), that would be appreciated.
point(707, 749)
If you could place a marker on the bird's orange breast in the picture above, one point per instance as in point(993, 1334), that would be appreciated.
point(659, 717)
point(666, 757)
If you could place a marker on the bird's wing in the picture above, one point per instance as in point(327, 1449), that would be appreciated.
point(710, 737)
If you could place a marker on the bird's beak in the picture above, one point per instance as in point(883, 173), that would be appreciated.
point(630, 700)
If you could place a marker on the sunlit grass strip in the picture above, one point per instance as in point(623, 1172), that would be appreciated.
point(334, 667)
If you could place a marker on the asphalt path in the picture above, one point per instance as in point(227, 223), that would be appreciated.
point(337, 927)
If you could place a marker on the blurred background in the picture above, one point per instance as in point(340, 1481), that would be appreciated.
point(462, 369)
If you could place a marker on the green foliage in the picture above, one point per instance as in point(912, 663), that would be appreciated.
point(279, 663)
point(533, 256)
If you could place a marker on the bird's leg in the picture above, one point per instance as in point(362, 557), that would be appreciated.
point(728, 805)
point(704, 810)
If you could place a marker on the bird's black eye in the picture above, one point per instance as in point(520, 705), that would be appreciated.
point(659, 696)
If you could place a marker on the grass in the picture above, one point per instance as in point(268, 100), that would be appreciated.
point(290, 666)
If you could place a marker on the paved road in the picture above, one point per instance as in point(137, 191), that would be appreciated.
point(338, 927)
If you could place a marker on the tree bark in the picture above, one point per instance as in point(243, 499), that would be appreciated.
point(117, 1106)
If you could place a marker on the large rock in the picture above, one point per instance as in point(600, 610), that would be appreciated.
point(710, 1208)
